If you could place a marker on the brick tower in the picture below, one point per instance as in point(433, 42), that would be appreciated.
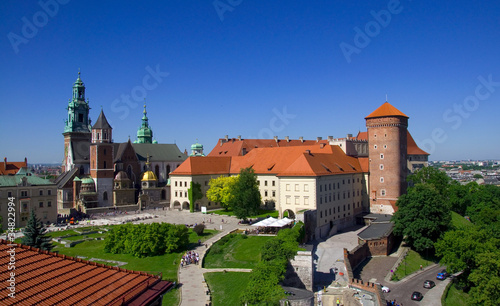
point(101, 160)
point(387, 133)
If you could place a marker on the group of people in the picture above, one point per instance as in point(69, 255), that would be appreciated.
point(394, 303)
point(189, 258)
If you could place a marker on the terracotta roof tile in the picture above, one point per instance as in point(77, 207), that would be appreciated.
point(386, 110)
point(235, 147)
point(7, 168)
point(47, 278)
point(412, 148)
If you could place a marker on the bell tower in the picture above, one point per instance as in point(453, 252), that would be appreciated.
point(77, 130)
point(101, 160)
point(387, 139)
point(144, 133)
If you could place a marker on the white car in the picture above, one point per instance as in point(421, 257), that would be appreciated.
point(385, 289)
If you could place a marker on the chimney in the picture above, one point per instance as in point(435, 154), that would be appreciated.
point(349, 136)
point(321, 145)
point(318, 139)
point(276, 138)
point(301, 139)
point(239, 137)
point(5, 163)
point(26, 161)
point(330, 138)
point(226, 138)
point(308, 152)
point(287, 138)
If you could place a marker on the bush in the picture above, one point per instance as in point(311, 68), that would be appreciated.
point(215, 249)
point(198, 229)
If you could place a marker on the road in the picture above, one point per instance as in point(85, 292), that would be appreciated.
point(401, 291)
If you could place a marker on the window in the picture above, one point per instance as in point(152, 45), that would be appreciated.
point(49, 192)
point(320, 188)
point(105, 196)
point(287, 187)
point(175, 183)
point(25, 207)
point(176, 192)
point(321, 214)
point(381, 156)
point(40, 204)
point(375, 135)
point(381, 166)
point(49, 204)
point(343, 182)
point(185, 184)
point(274, 183)
point(381, 179)
point(206, 183)
point(288, 201)
point(9, 194)
point(80, 116)
point(297, 187)
point(105, 152)
point(297, 200)
point(185, 194)
point(41, 192)
point(382, 192)
point(24, 193)
point(104, 165)
point(265, 193)
point(348, 181)
point(375, 146)
point(321, 200)
point(265, 183)
point(385, 146)
point(306, 200)
point(306, 187)
point(258, 182)
point(274, 193)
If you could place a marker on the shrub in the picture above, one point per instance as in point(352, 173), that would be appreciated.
point(198, 229)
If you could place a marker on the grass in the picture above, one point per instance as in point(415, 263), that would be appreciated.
point(459, 221)
point(454, 296)
point(237, 253)
point(263, 213)
point(410, 264)
point(226, 288)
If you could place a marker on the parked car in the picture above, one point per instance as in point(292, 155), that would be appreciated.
point(417, 296)
point(446, 274)
point(428, 284)
point(385, 289)
point(441, 276)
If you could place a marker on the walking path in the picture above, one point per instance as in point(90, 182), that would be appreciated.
point(191, 276)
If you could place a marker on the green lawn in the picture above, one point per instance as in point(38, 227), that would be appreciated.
point(459, 221)
point(262, 213)
point(410, 264)
point(237, 253)
point(455, 297)
point(226, 288)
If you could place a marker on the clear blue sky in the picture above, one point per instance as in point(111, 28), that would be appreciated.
point(234, 69)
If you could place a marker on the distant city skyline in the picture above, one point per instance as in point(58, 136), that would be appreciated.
point(258, 70)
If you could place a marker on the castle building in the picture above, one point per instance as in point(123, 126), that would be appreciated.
point(100, 175)
point(337, 180)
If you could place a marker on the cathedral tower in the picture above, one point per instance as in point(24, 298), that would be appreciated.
point(101, 160)
point(77, 130)
point(387, 137)
point(144, 133)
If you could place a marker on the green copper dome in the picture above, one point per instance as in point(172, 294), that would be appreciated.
point(144, 133)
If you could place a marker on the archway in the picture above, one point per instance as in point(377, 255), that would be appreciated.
point(185, 205)
point(289, 214)
point(177, 205)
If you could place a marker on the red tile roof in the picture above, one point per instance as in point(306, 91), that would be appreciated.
point(364, 163)
point(386, 110)
point(11, 167)
point(313, 160)
point(412, 148)
point(235, 147)
point(47, 278)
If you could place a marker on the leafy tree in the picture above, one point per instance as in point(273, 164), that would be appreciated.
point(199, 228)
point(221, 190)
point(422, 217)
point(486, 280)
point(478, 176)
point(35, 234)
point(263, 288)
point(194, 194)
point(246, 200)
point(431, 176)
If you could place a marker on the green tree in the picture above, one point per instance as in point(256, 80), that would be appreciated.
point(221, 190)
point(35, 234)
point(478, 176)
point(431, 176)
point(246, 200)
point(422, 217)
point(486, 280)
point(194, 194)
point(263, 288)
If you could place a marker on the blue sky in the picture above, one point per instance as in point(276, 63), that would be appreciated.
point(251, 68)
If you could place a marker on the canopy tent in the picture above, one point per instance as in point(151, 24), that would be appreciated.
point(272, 222)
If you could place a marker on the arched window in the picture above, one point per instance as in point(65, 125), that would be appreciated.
point(105, 196)
point(82, 171)
point(129, 171)
point(157, 171)
point(168, 171)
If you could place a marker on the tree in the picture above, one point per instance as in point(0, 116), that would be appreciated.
point(486, 280)
point(422, 217)
point(431, 176)
point(221, 190)
point(478, 176)
point(246, 200)
point(194, 194)
point(35, 234)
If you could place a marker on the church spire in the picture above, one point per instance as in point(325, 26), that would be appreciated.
point(78, 109)
point(144, 133)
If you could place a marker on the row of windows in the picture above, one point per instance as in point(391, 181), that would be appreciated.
point(179, 194)
point(330, 211)
point(297, 200)
point(273, 193)
point(329, 186)
point(297, 187)
point(185, 184)
point(24, 193)
point(49, 204)
point(328, 198)
point(273, 183)
point(375, 146)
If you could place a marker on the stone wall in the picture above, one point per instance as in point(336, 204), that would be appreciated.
point(358, 254)
point(300, 272)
